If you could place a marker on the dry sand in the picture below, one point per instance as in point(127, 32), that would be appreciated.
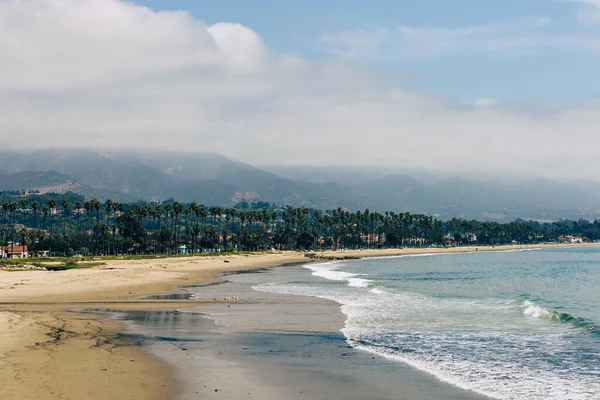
point(48, 352)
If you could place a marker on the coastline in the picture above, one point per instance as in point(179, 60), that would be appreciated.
point(273, 346)
point(45, 349)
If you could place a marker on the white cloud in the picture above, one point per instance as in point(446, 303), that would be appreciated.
point(482, 102)
point(590, 14)
point(105, 73)
point(516, 37)
point(56, 44)
point(414, 42)
point(595, 3)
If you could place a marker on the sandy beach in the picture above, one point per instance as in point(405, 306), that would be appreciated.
point(49, 352)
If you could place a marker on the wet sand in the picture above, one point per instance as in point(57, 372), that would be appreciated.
point(273, 346)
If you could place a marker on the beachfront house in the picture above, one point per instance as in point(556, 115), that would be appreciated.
point(570, 239)
point(13, 251)
point(448, 241)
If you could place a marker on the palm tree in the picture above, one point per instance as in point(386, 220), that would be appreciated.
point(225, 235)
point(230, 218)
point(13, 207)
point(194, 231)
point(244, 216)
point(5, 209)
point(89, 206)
point(24, 204)
point(158, 210)
point(110, 207)
point(203, 213)
point(216, 212)
point(96, 206)
point(78, 206)
point(45, 212)
point(52, 207)
point(35, 206)
point(143, 213)
point(177, 210)
point(65, 206)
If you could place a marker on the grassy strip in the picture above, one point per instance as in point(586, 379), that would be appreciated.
point(159, 256)
point(34, 260)
point(24, 261)
point(65, 263)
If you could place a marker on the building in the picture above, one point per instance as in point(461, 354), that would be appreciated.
point(14, 251)
point(570, 239)
point(448, 241)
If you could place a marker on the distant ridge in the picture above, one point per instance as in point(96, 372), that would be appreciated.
point(44, 181)
point(211, 178)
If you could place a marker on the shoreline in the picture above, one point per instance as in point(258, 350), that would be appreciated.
point(37, 305)
point(274, 346)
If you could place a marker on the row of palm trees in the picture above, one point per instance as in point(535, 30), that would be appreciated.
point(94, 227)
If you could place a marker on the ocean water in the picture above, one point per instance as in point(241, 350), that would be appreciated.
point(509, 325)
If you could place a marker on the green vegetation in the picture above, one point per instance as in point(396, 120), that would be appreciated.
point(52, 225)
point(25, 261)
point(69, 264)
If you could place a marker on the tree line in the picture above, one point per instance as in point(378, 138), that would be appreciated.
point(70, 224)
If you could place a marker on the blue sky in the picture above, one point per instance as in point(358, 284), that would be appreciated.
point(460, 85)
point(552, 71)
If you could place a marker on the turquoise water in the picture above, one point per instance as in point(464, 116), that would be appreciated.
point(510, 325)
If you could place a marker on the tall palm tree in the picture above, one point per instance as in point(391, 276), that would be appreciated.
point(203, 213)
point(96, 206)
point(13, 207)
point(65, 206)
point(51, 204)
point(110, 207)
point(89, 206)
point(187, 219)
point(244, 216)
point(158, 210)
point(35, 206)
point(5, 209)
point(216, 212)
point(230, 218)
point(143, 213)
point(45, 212)
point(24, 205)
point(78, 206)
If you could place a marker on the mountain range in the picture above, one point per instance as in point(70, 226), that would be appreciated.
point(213, 179)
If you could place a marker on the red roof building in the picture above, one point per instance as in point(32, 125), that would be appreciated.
point(13, 251)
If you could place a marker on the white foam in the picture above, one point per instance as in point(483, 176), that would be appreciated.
point(500, 381)
point(514, 250)
point(358, 282)
point(450, 253)
point(533, 310)
point(415, 255)
point(483, 346)
point(330, 271)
